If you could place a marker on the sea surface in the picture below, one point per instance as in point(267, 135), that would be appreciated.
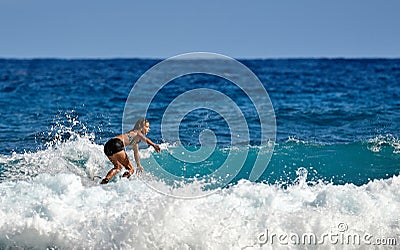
point(333, 173)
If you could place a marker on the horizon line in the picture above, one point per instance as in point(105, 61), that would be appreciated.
point(236, 58)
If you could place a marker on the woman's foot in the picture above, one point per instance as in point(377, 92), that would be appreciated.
point(104, 181)
point(126, 174)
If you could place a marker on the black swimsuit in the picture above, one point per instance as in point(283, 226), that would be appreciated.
point(113, 146)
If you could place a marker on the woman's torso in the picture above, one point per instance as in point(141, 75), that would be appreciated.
point(130, 138)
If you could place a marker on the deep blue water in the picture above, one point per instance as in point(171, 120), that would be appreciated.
point(337, 123)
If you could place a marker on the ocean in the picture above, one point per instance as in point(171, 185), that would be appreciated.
point(328, 163)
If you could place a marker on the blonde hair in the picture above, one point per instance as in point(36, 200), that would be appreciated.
point(140, 124)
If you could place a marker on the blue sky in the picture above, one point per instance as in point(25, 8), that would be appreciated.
point(160, 29)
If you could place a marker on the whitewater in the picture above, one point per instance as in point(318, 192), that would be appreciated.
point(51, 201)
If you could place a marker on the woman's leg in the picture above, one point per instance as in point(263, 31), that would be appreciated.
point(117, 162)
point(128, 165)
point(120, 160)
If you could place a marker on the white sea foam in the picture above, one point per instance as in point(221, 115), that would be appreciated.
point(60, 211)
point(376, 144)
point(79, 156)
point(48, 200)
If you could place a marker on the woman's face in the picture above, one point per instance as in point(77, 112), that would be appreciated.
point(146, 128)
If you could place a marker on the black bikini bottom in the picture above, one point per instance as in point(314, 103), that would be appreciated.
point(113, 146)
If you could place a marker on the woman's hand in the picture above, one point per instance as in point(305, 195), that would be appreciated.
point(139, 169)
point(157, 148)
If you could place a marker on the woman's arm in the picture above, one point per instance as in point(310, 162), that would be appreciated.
point(149, 142)
point(137, 158)
point(155, 146)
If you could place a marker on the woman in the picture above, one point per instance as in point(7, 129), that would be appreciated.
point(114, 149)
